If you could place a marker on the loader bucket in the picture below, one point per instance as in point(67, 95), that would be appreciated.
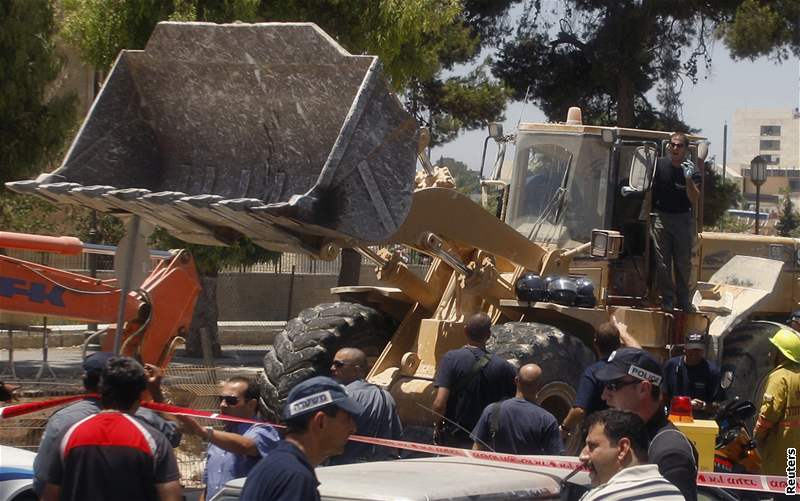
point(267, 130)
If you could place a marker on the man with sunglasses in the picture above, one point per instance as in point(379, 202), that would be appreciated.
point(675, 194)
point(234, 451)
point(632, 379)
point(379, 417)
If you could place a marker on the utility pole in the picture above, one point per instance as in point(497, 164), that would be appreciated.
point(724, 150)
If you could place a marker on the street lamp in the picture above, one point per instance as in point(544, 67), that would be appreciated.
point(758, 174)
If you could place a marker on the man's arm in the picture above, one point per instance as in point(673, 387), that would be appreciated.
point(439, 407)
point(169, 491)
point(773, 405)
point(231, 442)
point(624, 336)
point(573, 419)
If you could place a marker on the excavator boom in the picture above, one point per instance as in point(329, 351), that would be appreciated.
point(156, 313)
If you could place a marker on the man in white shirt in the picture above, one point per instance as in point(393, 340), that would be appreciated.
point(616, 455)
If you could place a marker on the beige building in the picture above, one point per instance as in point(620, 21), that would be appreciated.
point(774, 134)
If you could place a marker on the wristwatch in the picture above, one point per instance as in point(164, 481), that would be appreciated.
point(209, 433)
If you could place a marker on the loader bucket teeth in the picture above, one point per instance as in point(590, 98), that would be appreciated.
point(271, 130)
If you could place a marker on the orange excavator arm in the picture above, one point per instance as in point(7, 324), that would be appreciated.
point(156, 314)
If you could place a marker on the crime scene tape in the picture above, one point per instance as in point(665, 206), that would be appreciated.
point(12, 411)
point(768, 483)
point(709, 479)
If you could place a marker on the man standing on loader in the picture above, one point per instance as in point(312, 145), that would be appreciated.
point(467, 380)
point(675, 193)
point(778, 426)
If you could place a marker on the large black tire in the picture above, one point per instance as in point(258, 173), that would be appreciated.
point(748, 355)
point(305, 348)
point(562, 358)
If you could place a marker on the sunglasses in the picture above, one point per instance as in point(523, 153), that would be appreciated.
point(676, 146)
point(620, 383)
point(339, 364)
point(228, 399)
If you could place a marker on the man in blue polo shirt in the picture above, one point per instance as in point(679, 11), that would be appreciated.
point(319, 417)
point(234, 451)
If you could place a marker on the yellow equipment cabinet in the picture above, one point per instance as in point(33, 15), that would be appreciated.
point(703, 434)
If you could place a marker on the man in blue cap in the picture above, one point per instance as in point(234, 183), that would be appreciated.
point(62, 420)
point(632, 379)
point(319, 417)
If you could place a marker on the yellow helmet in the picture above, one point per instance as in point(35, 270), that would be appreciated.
point(788, 341)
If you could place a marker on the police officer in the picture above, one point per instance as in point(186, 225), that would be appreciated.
point(518, 425)
point(319, 417)
point(691, 375)
point(778, 424)
point(379, 418)
point(467, 380)
point(632, 379)
point(590, 390)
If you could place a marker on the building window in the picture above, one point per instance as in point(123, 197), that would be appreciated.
point(794, 185)
point(770, 144)
point(771, 159)
point(770, 130)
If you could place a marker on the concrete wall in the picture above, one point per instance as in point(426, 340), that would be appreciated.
point(265, 296)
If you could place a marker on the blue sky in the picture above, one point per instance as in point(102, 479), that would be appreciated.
point(729, 86)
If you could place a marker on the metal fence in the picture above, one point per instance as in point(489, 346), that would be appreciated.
point(302, 263)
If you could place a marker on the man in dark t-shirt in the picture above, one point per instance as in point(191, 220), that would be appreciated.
point(518, 425)
point(691, 375)
point(112, 455)
point(675, 191)
point(467, 380)
point(319, 416)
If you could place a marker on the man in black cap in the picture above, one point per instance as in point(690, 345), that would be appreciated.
point(319, 417)
point(632, 379)
point(691, 375)
point(62, 420)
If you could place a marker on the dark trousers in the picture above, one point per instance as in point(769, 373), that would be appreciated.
point(673, 242)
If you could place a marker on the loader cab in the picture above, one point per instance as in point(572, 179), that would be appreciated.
point(570, 179)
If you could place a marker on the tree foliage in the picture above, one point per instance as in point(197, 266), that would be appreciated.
point(609, 57)
point(718, 196)
point(760, 28)
point(34, 121)
point(467, 181)
point(788, 219)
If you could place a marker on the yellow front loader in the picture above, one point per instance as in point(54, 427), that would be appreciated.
point(274, 132)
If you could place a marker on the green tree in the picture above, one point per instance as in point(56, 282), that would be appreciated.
point(467, 181)
point(760, 28)
point(718, 196)
point(34, 119)
point(788, 219)
point(609, 57)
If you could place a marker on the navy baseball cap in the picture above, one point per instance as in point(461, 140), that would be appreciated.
point(630, 362)
point(96, 361)
point(317, 393)
point(695, 340)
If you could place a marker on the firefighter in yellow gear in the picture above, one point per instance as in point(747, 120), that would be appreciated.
point(778, 424)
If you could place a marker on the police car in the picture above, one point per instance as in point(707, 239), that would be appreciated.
point(16, 474)
point(447, 478)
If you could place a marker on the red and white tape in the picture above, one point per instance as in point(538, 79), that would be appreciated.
point(723, 480)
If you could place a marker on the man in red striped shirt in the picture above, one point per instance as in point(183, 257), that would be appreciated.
point(112, 455)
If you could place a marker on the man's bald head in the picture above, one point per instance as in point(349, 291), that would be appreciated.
point(528, 380)
point(479, 328)
point(348, 365)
